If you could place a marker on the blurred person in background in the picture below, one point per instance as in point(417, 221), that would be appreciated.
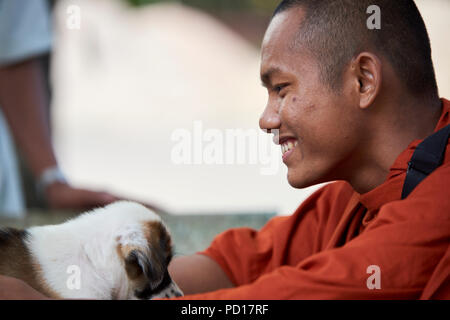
point(25, 37)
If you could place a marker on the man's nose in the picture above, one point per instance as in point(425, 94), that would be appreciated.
point(270, 118)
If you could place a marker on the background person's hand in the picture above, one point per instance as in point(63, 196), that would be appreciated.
point(64, 196)
point(15, 289)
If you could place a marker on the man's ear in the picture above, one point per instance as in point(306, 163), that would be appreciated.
point(368, 76)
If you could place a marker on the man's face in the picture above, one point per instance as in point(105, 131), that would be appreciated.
point(318, 128)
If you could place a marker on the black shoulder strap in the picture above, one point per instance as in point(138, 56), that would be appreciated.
point(426, 158)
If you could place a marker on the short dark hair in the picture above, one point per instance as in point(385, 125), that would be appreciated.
point(335, 31)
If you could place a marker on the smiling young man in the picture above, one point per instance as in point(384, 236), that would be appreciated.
point(351, 105)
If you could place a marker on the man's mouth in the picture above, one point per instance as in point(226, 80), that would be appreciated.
point(287, 147)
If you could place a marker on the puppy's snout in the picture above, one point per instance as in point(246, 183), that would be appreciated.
point(178, 294)
point(175, 291)
point(170, 291)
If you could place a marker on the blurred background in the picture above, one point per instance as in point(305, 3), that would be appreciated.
point(137, 70)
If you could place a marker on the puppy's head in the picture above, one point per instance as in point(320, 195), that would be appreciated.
point(145, 248)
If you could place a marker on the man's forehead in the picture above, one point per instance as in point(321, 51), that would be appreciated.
point(276, 51)
point(283, 28)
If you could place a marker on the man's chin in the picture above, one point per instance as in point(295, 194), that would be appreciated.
point(299, 181)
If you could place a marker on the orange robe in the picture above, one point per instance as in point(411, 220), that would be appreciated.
point(323, 250)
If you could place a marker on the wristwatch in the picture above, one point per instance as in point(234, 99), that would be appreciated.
point(48, 177)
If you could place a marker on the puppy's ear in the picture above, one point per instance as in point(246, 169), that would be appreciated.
point(137, 265)
point(145, 251)
point(143, 265)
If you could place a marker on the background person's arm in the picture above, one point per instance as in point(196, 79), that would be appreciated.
point(24, 102)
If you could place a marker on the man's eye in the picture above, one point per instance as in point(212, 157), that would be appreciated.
point(279, 88)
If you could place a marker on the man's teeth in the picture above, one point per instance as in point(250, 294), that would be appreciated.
point(289, 145)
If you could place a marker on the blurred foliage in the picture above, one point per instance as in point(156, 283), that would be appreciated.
point(266, 6)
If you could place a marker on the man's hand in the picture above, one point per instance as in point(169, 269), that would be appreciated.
point(15, 289)
point(198, 273)
point(63, 196)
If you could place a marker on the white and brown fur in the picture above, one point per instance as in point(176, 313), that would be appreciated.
point(122, 252)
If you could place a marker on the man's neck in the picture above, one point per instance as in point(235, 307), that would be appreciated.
point(392, 130)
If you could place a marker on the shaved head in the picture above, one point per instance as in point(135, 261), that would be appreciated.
point(335, 31)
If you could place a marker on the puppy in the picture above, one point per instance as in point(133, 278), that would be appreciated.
point(118, 252)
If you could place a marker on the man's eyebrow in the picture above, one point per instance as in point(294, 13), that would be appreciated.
point(267, 75)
